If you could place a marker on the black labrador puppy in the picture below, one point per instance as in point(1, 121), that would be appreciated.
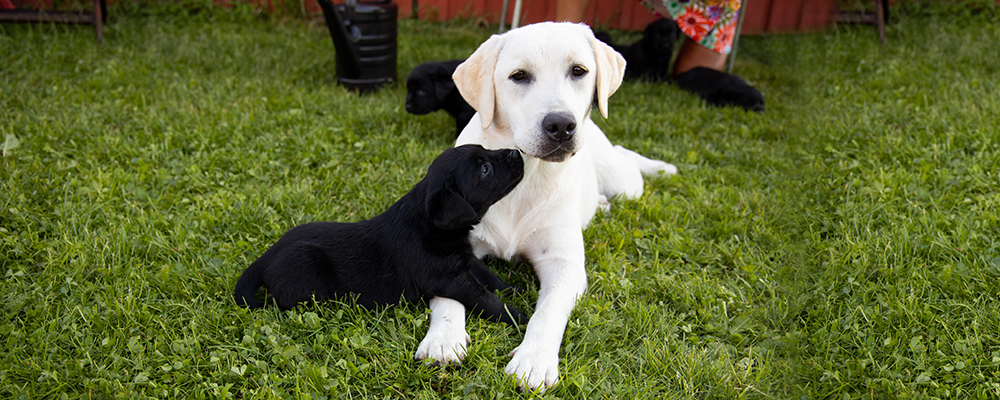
point(429, 87)
point(649, 57)
point(721, 89)
point(418, 248)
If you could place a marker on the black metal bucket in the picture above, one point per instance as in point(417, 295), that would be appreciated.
point(364, 35)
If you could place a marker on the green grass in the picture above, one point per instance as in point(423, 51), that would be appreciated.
point(844, 244)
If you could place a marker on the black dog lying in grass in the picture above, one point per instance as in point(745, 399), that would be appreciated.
point(720, 89)
point(418, 248)
point(649, 57)
point(429, 87)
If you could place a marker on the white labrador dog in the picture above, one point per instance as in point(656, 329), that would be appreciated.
point(533, 88)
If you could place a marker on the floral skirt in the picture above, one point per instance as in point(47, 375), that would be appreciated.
point(710, 23)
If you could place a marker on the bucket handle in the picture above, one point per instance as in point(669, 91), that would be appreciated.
point(354, 33)
point(348, 53)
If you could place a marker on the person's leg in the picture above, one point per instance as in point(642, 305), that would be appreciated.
point(571, 10)
point(698, 68)
point(694, 55)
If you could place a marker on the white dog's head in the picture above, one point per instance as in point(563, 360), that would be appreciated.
point(537, 83)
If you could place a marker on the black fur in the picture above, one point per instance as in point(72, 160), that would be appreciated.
point(720, 89)
point(648, 58)
point(429, 87)
point(418, 248)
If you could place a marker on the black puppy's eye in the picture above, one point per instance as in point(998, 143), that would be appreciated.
point(579, 71)
point(519, 76)
point(487, 169)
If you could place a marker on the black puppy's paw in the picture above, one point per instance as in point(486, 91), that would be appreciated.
point(513, 316)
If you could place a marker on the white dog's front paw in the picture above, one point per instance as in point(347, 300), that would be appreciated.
point(603, 204)
point(443, 347)
point(665, 167)
point(534, 369)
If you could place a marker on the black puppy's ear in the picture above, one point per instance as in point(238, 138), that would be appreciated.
point(448, 209)
point(443, 83)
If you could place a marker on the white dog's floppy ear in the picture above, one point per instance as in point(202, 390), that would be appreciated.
point(610, 71)
point(474, 78)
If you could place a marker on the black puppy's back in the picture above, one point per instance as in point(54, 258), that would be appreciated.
point(650, 57)
point(307, 247)
point(418, 247)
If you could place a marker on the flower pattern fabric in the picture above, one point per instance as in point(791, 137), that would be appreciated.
point(710, 23)
point(694, 24)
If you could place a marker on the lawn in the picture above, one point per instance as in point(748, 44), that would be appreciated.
point(843, 244)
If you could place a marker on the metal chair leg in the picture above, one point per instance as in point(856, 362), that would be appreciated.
point(516, 19)
point(99, 20)
point(503, 15)
point(736, 38)
point(880, 14)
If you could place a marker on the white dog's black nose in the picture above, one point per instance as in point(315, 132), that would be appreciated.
point(559, 126)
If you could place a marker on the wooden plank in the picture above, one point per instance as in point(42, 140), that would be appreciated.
point(63, 17)
point(762, 16)
point(784, 15)
point(641, 16)
point(758, 12)
point(817, 15)
point(537, 11)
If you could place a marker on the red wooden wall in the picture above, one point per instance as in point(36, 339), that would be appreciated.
point(763, 16)
point(267, 5)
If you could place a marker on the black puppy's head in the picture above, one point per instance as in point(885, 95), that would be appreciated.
point(428, 85)
point(660, 36)
point(463, 182)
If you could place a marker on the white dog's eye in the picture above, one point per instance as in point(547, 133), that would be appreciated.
point(487, 169)
point(579, 71)
point(519, 76)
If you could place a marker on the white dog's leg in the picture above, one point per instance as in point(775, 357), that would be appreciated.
point(446, 337)
point(562, 279)
point(646, 165)
point(603, 204)
point(615, 172)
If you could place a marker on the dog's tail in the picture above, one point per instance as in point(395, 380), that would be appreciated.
point(247, 285)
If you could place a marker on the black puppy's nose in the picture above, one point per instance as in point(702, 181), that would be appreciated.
point(513, 158)
point(559, 126)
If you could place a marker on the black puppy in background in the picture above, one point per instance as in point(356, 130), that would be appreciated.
point(721, 89)
point(429, 87)
point(649, 57)
point(418, 248)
